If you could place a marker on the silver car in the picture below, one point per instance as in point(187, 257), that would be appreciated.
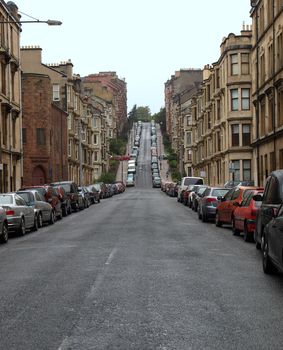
point(19, 215)
point(3, 226)
point(43, 210)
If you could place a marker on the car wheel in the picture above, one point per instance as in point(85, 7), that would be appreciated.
point(60, 216)
point(52, 218)
point(248, 236)
point(218, 223)
point(267, 265)
point(22, 228)
point(65, 211)
point(39, 220)
point(35, 225)
point(4, 234)
point(235, 231)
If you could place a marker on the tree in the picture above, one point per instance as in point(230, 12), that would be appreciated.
point(160, 118)
point(139, 113)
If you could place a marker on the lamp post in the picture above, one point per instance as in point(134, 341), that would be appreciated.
point(50, 22)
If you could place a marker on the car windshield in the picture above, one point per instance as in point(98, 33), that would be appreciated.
point(193, 181)
point(219, 192)
point(41, 190)
point(6, 199)
point(25, 196)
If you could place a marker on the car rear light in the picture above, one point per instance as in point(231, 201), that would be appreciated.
point(210, 200)
point(10, 212)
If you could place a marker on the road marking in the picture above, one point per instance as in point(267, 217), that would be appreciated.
point(111, 256)
point(98, 281)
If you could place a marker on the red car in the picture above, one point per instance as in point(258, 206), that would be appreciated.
point(51, 197)
point(245, 215)
point(228, 203)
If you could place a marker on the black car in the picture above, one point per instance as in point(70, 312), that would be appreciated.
point(71, 188)
point(272, 244)
point(272, 200)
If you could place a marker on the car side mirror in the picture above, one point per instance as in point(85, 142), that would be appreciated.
point(220, 199)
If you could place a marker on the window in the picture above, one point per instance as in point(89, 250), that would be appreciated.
point(95, 139)
point(235, 135)
point(24, 135)
point(70, 148)
point(270, 60)
point(56, 92)
point(40, 136)
point(245, 99)
point(234, 100)
point(236, 167)
point(262, 117)
point(68, 93)
point(246, 170)
point(189, 138)
point(189, 155)
point(279, 51)
point(69, 120)
point(262, 68)
point(94, 122)
point(234, 64)
point(3, 77)
point(280, 107)
point(272, 165)
point(95, 156)
point(246, 134)
point(208, 121)
point(245, 63)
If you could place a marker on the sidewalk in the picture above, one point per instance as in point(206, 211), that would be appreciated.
point(163, 163)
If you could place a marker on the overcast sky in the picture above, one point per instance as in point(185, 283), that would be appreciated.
point(144, 41)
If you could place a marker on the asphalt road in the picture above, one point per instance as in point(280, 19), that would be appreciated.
point(137, 271)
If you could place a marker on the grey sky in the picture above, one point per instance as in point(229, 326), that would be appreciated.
point(144, 41)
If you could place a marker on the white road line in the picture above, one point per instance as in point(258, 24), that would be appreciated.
point(99, 279)
point(111, 256)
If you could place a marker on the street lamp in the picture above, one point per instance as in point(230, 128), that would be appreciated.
point(50, 22)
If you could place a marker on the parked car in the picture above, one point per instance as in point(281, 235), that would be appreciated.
point(71, 189)
point(232, 183)
point(130, 182)
point(43, 210)
point(272, 200)
point(51, 197)
point(65, 200)
point(20, 216)
point(186, 194)
point(272, 244)
point(228, 203)
point(185, 182)
point(101, 188)
point(94, 194)
point(209, 201)
point(156, 182)
point(196, 195)
point(192, 194)
point(4, 235)
point(84, 202)
point(245, 214)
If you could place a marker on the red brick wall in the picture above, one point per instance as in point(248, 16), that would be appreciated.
point(38, 112)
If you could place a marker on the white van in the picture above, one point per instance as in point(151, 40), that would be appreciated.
point(185, 182)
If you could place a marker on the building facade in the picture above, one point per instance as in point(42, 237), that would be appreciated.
point(267, 89)
point(223, 114)
point(11, 168)
point(44, 132)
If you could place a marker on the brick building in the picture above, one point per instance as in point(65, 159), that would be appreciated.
point(118, 88)
point(44, 132)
